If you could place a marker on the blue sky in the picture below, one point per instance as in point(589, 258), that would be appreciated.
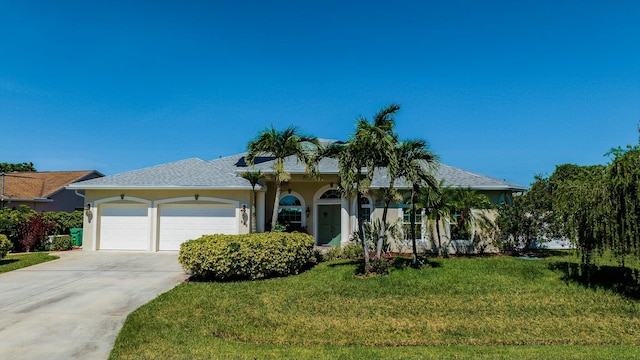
point(508, 89)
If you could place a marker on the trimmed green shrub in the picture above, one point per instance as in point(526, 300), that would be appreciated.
point(5, 245)
point(246, 256)
point(61, 243)
point(351, 250)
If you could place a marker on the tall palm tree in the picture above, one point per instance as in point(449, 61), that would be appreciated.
point(254, 178)
point(416, 164)
point(279, 145)
point(379, 140)
point(352, 159)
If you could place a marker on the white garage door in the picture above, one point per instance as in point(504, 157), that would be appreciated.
point(124, 227)
point(179, 223)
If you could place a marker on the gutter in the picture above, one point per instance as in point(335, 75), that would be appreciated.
point(148, 187)
point(38, 200)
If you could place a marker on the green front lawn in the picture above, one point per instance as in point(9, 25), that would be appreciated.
point(15, 262)
point(485, 307)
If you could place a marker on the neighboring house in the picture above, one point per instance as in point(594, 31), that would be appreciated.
point(158, 208)
point(43, 191)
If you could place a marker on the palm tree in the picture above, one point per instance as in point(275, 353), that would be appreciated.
point(379, 141)
point(353, 182)
point(280, 145)
point(415, 164)
point(461, 203)
point(435, 203)
point(254, 178)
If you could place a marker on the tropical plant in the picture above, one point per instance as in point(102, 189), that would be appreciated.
point(434, 201)
point(279, 145)
point(381, 143)
point(254, 178)
point(462, 202)
point(351, 156)
point(415, 163)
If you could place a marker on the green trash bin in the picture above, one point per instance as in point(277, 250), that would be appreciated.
point(76, 235)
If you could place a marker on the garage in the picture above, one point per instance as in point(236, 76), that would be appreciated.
point(178, 223)
point(124, 227)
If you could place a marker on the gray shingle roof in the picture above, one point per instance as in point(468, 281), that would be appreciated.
point(187, 174)
point(452, 176)
point(223, 173)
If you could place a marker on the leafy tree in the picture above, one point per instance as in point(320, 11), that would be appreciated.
point(279, 145)
point(20, 167)
point(35, 231)
point(583, 204)
point(530, 219)
point(64, 221)
point(11, 222)
point(624, 182)
point(254, 178)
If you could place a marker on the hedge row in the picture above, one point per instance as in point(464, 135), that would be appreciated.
point(15, 224)
point(247, 256)
point(5, 246)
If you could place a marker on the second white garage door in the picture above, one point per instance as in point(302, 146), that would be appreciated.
point(179, 223)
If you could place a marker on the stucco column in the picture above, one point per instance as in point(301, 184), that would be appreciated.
point(153, 217)
point(260, 211)
point(345, 229)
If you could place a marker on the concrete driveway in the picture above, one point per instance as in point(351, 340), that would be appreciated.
point(74, 307)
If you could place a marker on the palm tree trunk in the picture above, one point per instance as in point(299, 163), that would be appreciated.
point(365, 251)
point(276, 203)
point(383, 228)
point(413, 230)
point(254, 216)
point(438, 231)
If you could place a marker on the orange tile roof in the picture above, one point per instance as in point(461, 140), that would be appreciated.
point(31, 185)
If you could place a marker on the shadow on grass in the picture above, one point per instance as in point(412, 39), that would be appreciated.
point(621, 280)
point(8, 261)
point(543, 253)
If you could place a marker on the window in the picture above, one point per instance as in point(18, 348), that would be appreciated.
point(290, 211)
point(406, 222)
point(331, 194)
point(365, 210)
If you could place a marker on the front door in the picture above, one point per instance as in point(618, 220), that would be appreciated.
point(328, 224)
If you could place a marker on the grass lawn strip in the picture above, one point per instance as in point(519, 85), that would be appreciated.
point(15, 262)
point(492, 307)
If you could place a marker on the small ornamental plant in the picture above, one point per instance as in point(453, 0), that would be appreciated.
point(381, 265)
point(378, 265)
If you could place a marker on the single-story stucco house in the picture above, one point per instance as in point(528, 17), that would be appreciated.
point(158, 208)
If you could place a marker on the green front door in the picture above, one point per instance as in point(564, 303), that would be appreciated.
point(328, 224)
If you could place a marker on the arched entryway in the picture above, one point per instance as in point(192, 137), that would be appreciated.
point(328, 212)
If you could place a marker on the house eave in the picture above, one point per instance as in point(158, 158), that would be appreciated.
point(164, 187)
point(38, 200)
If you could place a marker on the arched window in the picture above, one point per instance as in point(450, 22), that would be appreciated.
point(290, 211)
point(331, 194)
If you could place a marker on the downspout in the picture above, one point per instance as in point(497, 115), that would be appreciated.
point(75, 191)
